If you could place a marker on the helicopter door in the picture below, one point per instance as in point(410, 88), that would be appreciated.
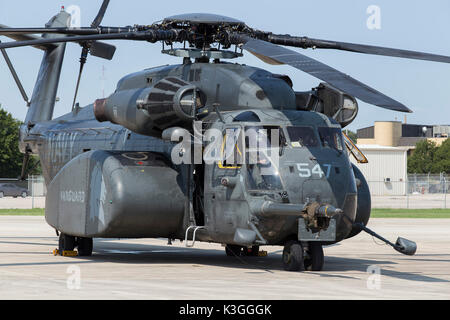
point(225, 205)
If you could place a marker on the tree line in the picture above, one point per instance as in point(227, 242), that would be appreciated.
point(430, 158)
point(10, 157)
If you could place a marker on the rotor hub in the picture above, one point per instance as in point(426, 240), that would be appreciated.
point(203, 29)
point(205, 54)
point(202, 18)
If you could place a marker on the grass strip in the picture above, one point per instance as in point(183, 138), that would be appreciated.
point(410, 213)
point(22, 212)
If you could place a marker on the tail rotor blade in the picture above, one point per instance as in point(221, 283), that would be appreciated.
point(100, 49)
point(84, 53)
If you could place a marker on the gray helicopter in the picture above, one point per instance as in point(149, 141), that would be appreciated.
point(205, 150)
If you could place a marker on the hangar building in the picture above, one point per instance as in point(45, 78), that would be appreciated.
point(386, 145)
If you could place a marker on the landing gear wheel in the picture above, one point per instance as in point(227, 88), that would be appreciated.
point(293, 256)
point(233, 250)
point(315, 259)
point(65, 243)
point(250, 252)
point(85, 246)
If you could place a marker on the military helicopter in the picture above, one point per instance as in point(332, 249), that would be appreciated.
point(205, 150)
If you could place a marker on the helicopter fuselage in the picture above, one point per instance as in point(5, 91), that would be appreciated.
point(267, 165)
point(312, 166)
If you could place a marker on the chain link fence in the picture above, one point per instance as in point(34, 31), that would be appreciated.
point(26, 194)
point(36, 185)
point(420, 191)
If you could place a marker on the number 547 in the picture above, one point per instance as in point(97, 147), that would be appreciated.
point(305, 172)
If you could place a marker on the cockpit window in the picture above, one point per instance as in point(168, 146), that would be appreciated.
point(263, 175)
point(302, 137)
point(331, 138)
point(262, 153)
point(262, 135)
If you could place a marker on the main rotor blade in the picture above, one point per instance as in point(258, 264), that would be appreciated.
point(149, 35)
point(23, 37)
point(113, 36)
point(71, 31)
point(94, 29)
point(98, 19)
point(98, 49)
point(280, 55)
point(9, 32)
point(305, 42)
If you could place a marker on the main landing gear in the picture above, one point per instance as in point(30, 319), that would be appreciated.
point(69, 243)
point(296, 257)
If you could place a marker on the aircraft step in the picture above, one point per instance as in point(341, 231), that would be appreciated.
point(193, 236)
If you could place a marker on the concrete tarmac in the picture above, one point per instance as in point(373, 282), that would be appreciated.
point(358, 268)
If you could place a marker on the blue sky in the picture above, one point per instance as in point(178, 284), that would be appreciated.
point(416, 25)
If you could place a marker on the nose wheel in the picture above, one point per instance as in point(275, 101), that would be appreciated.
point(298, 258)
point(293, 256)
point(314, 257)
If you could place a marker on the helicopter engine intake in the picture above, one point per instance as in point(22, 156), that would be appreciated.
point(330, 101)
point(170, 102)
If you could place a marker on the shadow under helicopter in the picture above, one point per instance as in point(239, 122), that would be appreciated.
point(107, 251)
point(130, 253)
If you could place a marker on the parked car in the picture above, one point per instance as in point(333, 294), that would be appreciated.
point(11, 190)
